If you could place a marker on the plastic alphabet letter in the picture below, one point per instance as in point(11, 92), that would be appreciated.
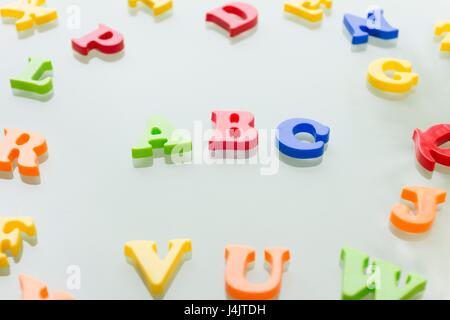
point(402, 80)
point(161, 134)
point(238, 259)
point(24, 146)
point(428, 143)
point(234, 130)
point(104, 39)
point(360, 278)
point(440, 28)
point(308, 9)
point(30, 79)
point(158, 6)
point(34, 289)
point(28, 13)
point(289, 145)
point(374, 25)
point(425, 201)
point(157, 273)
point(11, 230)
point(225, 17)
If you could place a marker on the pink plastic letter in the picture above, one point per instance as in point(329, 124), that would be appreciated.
point(235, 17)
point(104, 39)
point(234, 131)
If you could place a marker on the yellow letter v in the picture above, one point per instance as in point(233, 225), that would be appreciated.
point(157, 273)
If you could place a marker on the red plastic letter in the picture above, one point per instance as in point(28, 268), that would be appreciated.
point(225, 17)
point(24, 146)
point(234, 131)
point(104, 39)
point(427, 143)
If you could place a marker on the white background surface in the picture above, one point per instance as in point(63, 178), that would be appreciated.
point(92, 200)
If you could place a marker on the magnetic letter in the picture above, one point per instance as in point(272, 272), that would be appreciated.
point(234, 130)
point(289, 145)
point(104, 39)
point(402, 80)
point(360, 278)
point(238, 259)
point(157, 273)
point(440, 28)
point(34, 289)
point(158, 6)
point(308, 9)
point(24, 146)
point(374, 25)
point(11, 236)
point(161, 134)
point(31, 77)
point(28, 13)
point(428, 143)
point(235, 17)
point(425, 201)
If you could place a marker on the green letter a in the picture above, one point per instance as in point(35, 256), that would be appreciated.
point(161, 135)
